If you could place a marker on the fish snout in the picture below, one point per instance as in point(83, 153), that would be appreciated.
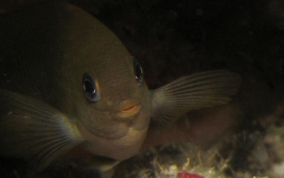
point(128, 109)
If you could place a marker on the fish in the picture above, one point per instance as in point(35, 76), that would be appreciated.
point(67, 81)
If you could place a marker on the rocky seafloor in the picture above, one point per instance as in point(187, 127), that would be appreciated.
point(172, 38)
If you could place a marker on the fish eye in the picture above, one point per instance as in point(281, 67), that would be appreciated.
point(138, 72)
point(90, 89)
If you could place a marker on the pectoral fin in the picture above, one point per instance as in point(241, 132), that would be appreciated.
point(192, 92)
point(33, 130)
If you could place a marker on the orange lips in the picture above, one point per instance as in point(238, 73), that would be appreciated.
point(128, 109)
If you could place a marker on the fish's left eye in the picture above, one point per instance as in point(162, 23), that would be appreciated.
point(138, 72)
point(90, 89)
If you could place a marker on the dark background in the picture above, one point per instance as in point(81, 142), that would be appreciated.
point(172, 38)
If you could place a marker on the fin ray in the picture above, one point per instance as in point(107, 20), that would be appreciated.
point(33, 130)
point(205, 89)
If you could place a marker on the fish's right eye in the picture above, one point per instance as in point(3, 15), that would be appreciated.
point(91, 90)
point(138, 72)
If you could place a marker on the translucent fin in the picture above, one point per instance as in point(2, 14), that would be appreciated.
point(196, 91)
point(33, 130)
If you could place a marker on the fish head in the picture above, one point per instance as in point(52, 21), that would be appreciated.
point(112, 97)
point(109, 94)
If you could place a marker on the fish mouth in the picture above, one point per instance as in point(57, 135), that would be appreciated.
point(129, 111)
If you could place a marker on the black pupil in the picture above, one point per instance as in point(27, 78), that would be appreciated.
point(88, 86)
point(138, 72)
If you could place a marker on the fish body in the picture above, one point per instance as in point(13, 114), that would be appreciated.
point(67, 80)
